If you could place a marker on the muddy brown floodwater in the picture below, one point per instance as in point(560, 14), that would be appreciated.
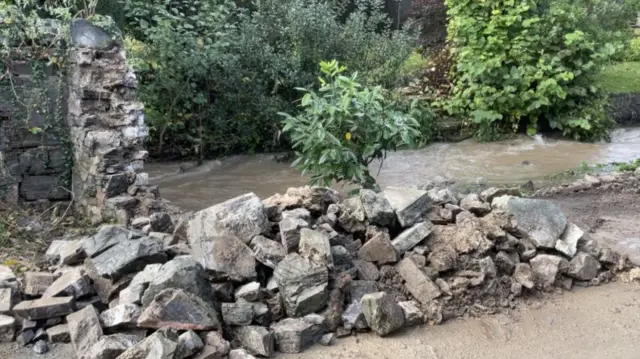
point(514, 161)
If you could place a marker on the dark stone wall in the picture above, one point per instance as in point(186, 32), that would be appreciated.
point(32, 165)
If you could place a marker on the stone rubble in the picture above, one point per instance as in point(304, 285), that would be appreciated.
point(255, 277)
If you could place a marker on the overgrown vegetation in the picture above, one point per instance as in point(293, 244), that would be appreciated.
point(214, 76)
point(344, 127)
point(532, 64)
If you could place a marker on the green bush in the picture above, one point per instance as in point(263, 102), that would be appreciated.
point(531, 64)
point(344, 127)
point(632, 53)
point(224, 96)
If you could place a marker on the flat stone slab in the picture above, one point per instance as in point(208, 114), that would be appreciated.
point(408, 203)
point(418, 284)
point(74, 283)
point(129, 256)
point(45, 308)
point(226, 256)
point(36, 283)
point(293, 335)
point(243, 217)
point(256, 340)
point(84, 329)
point(411, 237)
point(121, 316)
point(173, 308)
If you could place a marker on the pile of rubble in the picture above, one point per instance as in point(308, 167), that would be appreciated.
point(248, 277)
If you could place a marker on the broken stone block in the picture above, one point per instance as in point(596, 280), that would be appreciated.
point(84, 329)
point(140, 222)
point(352, 215)
point(409, 204)
point(382, 313)
point(546, 268)
point(162, 344)
point(7, 328)
point(41, 347)
point(107, 237)
point(359, 288)
point(293, 335)
point(411, 237)
point(290, 232)
point(216, 344)
point(240, 354)
point(139, 283)
point(379, 249)
point(303, 285)
point(25, 337)
point(444, 259)
point(243, 217)
point(412, 313)
point(66, 252)
point(6, 300)
point(183, 273)
point(301, 213)
point(111, 346)
point(121, 316)
point(568, 242)
point(539, 220)
point(506, 262)
point(41, 334)
point(583, 267)
point(267, 251)
point(488, 267)
point(226, 256)
point(367, 270)
point(249, 292)
point(174, 308)
point(315, 246)
point(161, 222)
point(524, 275)
point(377, 208)
point(128, 257)
point(189, 343)
point(74, 283)
point(416, 282)
point(256, 340)
point(239, 313)
point(36, 283)
point(59, 334)
point(490, 193)
point(45, 308)
point(474, 204)
point(353, 318)
point(607, 257)
point(326, 339)
point(341, 257)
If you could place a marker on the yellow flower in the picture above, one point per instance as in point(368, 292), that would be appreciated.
point(348, 136)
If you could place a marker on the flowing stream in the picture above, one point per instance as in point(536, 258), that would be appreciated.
point(468, 162)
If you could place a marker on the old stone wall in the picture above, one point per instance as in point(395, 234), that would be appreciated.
point(107, 129)
point(32, 156)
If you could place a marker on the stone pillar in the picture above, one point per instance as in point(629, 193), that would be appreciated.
point(107, 127)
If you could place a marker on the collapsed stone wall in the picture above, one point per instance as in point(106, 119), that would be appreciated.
point(248, 277)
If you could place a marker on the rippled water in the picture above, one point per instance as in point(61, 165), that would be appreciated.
point(513, 161)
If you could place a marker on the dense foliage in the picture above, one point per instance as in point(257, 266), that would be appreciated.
point(532, 63)
point(214, 76)
point(344, 127)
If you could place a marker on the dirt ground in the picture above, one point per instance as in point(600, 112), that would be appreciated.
point(596, 322)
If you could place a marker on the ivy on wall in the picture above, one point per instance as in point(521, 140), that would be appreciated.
point(34, 38)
